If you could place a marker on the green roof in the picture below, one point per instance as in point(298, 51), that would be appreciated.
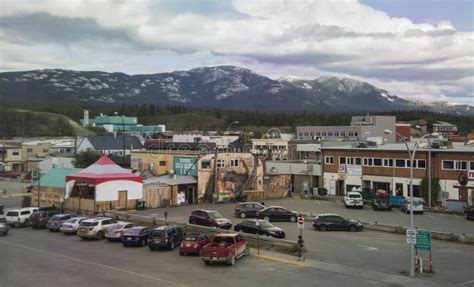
point(56, 177)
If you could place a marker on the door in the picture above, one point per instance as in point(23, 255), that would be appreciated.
point(122, 199)
point(340, 187)
point(463, 193)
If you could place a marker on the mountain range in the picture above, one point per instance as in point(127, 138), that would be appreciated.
point(223, 87)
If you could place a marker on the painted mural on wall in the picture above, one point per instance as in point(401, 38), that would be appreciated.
point(230, 181)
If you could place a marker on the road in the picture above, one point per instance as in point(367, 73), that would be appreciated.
point(41, 258)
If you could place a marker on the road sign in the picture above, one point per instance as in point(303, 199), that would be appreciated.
point(411, 236)
point(423, 240)
point(300, 222)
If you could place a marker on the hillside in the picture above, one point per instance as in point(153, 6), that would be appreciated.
point(221, 87)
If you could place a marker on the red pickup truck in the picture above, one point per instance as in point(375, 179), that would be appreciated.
point(225, 247)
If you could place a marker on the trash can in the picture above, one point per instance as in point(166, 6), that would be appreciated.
point(322, 191)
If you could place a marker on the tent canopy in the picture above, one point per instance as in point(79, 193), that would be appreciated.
point(103, 170)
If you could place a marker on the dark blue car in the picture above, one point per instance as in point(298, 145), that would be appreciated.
point(135, 236)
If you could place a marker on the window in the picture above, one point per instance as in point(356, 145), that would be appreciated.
point(323, 134)
point(300, 134)
point(318, 134)
point(448, 164)
point(45, 150)
point(366, 161)
point(355, 134)
point(351, 134)
point(343, 134)
point(162, 163)
point(306, 134)
point(29, 150)
point(220, 163)
point(400, 163)
point(349, 160)
point(15, 152)
point(342, 160)
point(329, 134)
point(461, 165)
point(358, 161)
point(471, 165)
point(421, 163)
point(388, 162)
point(377, 162)
point(408, 163)
point(336, 134)
point(329, 160)
point(205, 164)
point(234, 162)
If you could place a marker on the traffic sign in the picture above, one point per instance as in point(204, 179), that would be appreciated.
point(423, 240)
point(300, 222)
point(411, 236)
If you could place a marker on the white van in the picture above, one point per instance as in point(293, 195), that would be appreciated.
point(418, 203)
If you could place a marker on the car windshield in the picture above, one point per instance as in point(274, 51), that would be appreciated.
point(3, 220)
point(90, 223)
point(354, 195)
point(12, 213)
point(265, 224)
point(72, 220)
point(215, 215)
point(56, 218)
point(190, 238)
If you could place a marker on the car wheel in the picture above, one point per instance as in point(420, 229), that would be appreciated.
point(267, 218)
point(100, 235)
point(142, 242)
point(293, 219)
point(243, 215)
point(323, 228)
point(353, 228)
point(232, 260)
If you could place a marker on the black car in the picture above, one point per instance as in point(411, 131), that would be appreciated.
point(264, 228)
point(277, 213)
point(40, 219)
point(469, 212)
point(55, 222)
point(325, 222)
point(247, 209)
point(166, 236)
point(135, 236)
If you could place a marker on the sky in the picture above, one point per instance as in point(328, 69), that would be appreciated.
point(418, 49)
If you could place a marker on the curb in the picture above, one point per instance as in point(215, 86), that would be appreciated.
point(281, 260)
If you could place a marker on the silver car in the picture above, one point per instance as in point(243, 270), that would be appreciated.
point(71, 225)
point(4, 228)
point(115, 231)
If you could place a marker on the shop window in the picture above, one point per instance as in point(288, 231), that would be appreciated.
point(377, 162)
point(448, 164)
point(400, 163)
point(342, 160)
point(421, 163)
point(329, 160)
point(205, 164)
point(162, 163)
point(29, 150)
point(358, 161)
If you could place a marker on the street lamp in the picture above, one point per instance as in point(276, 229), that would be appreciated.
point(228, 127)
point(123, 135)
point(412, 159)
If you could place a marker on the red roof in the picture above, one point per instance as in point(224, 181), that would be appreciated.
point(103, 170)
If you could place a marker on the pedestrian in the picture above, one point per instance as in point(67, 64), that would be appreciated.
point(299, 246)
point(166, 215)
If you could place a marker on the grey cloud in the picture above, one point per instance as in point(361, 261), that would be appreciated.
point(435, 33)
point(43, 27)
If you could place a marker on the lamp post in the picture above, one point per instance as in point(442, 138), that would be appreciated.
point(228, 127)
point(123, 136)
point(411, 155)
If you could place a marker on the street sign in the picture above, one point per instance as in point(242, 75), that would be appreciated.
point(423, 240)
point(411, 236)
point(300, 222)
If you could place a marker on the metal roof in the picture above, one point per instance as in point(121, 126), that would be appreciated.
point(56, 177)
point(114, 143)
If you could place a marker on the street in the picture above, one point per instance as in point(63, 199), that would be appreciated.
point(41, 258)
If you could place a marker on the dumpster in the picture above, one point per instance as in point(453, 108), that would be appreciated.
point(397, 201)
point(322, 191)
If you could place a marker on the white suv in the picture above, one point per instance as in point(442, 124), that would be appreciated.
point(94, 228)
point(21, 216)
point(353, 199)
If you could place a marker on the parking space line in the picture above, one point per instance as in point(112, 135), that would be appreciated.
point(281, 260)
point(431, 216)
point(95, 264)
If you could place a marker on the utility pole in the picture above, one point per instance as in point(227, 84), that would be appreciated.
point(3, 154)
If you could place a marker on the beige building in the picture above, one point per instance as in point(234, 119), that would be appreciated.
point(32, 153)
point(10, 157)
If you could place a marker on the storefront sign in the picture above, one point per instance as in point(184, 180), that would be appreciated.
point(185, 165)
point(354, 170)
point(341, 169)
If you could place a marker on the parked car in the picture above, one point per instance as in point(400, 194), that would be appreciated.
point(10, 174)
point(134, 236)
point(334, 222)
point(17, 217)
point(353, 199)
point(469, 212)
point(4, 228)
point(193, 243)
point(264, 228)
point(55, 222)
point(40, 219)
point(381, 201)
point(71, 225)
point(247, 209)
point(277, 213)
point(115, 231)
point(417, 205)
point(166, 236)
point(209, 218)
point(94, 228)
point(225, 247)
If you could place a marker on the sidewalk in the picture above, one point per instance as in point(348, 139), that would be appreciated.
point(343, 269)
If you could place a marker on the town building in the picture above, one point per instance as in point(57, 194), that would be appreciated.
point(272, 148)
point(199, 137)
point(32, 153)
point(403, 131)
point(11, 157)
point(443, 128)
point(111, 144)
point(360, 128)
point(388, 167)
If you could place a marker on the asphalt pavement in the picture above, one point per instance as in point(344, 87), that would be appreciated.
point(41, 258)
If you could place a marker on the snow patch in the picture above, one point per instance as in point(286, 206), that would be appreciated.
point(387, 97)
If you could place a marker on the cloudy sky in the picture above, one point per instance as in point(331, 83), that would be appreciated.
point(422, 49)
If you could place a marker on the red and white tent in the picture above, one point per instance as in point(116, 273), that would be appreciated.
point(109, 179)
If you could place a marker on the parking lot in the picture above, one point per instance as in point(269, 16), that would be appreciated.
point(42, 258)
